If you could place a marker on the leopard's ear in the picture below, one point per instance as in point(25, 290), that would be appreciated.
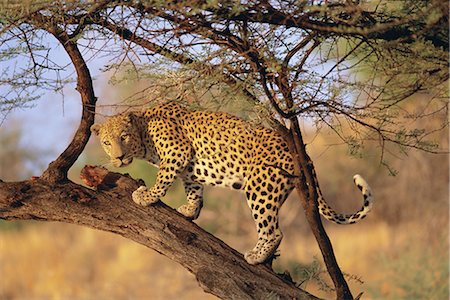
point(96, 129)
point(129, 116)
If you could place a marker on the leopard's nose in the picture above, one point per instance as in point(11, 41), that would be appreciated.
point(121, 157)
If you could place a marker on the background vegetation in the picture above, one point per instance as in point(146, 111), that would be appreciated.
point(369, 83)
point(399, 252)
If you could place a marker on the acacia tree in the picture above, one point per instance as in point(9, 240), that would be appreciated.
point(337, 63)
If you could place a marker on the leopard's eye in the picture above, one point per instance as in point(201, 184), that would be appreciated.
point(124, 136)
point(106, 143)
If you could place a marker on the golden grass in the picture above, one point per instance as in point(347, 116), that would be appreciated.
point(61, 261)
point(400, 251)
point(403, 262)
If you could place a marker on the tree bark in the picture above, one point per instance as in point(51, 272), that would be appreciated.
point(219, 269)
point(57, 169)
point(307, 188)
point(307, 185)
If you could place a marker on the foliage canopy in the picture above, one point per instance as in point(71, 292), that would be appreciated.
point(340, 63)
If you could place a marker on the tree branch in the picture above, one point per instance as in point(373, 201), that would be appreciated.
point(308, 189)
point(57, 170)
point(128, 35)
point(403, 28)
point(219, 269)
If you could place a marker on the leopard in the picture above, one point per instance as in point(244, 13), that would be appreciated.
point(217, 149)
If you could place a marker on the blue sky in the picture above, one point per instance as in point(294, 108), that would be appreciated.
point(50, 123)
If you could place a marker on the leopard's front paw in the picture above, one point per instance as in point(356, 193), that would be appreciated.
point(189, 211)
point(253, 258)
point(143, 197)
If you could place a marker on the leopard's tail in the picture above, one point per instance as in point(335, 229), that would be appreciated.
point(330, 214)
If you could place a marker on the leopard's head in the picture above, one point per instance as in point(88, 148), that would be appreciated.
point(120, 138)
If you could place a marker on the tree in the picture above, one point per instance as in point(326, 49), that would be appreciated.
point(337, 63)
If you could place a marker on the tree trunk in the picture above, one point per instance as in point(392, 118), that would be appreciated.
point(219, 269)
point(307, 187)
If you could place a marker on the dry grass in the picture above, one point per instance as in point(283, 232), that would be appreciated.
point(384, 262)
point(61, 261)
point(399, 252)
point(406, 259)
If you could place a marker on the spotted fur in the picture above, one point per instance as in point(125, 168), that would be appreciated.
point(214, 149)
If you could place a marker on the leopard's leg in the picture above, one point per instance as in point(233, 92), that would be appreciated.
point(175, 152)
point(269, 233)
point(164, 179)
point(194, 197)
point(265, 200)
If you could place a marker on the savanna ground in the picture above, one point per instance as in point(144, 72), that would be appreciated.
point(399, 252)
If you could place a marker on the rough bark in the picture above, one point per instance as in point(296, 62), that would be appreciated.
point(308, 192)
point(307, 185)
point(219, 269)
